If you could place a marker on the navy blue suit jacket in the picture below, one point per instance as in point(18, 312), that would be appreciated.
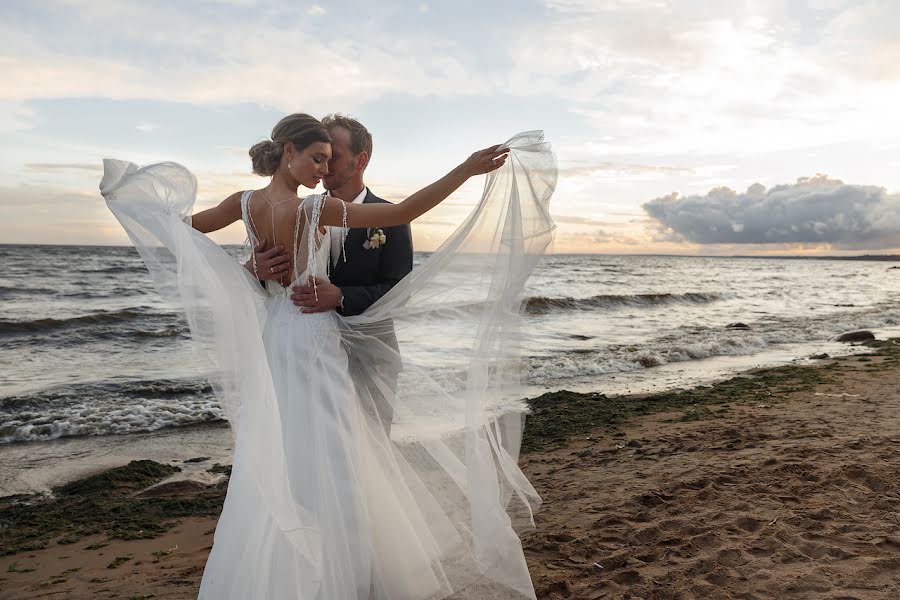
point(367, 274)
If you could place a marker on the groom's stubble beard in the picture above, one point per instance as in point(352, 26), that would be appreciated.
point(337, 182)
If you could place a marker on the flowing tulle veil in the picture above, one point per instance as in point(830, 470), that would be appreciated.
point(451, 459)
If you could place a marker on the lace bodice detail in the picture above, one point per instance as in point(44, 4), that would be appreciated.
point(310, 249)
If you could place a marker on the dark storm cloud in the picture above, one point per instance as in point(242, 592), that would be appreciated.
point(815, 210)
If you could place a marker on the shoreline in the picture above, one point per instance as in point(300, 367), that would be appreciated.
point(594, 459)
point(36, 466)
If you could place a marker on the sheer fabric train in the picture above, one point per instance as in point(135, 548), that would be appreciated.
point(324, 503)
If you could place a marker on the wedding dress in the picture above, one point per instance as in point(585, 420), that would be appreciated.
point(323, 503)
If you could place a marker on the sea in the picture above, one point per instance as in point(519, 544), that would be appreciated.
point(89, 350)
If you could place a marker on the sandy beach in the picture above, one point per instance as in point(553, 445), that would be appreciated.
point(781, 483)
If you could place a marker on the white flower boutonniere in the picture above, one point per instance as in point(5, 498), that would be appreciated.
point(376, 238)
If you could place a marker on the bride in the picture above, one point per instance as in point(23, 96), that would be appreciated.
point(322, 504)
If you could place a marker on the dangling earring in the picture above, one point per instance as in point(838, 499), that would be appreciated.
point(289, 165)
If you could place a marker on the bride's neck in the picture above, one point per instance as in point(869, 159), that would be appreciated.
point(282, 185)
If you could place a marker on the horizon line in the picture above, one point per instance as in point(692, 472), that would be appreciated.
point(661, 254)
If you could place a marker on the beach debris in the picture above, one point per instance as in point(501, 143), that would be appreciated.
point(649, 360)
point(620, 446)
point(598, 565)
point(97, 546)
point(841, 395)
point(217, 468)
point(119, 561)
point(62, 577)
point(862, 335)
point(586, 453)
point(634, 444)
point(821, 356)
point(172, 488)
point(15, 568)
point(161, 553)
point(773, 521)
point(737, 325)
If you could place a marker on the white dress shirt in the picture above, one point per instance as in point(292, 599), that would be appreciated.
point(338, 233)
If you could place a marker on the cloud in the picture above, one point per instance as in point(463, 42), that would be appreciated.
point(617, 168)
point(15, 116)
point(27, 197)
point(573, 220)
point(54, 167)
point(815, 210)
point(604, 236)
point(725, 77)
point(186, 58)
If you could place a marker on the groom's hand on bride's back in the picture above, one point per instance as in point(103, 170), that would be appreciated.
point(271, 264)
point(316, 296)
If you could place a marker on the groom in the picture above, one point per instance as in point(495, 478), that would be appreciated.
point(366, 268)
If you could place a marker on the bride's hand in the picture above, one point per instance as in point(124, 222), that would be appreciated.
point(485, 161)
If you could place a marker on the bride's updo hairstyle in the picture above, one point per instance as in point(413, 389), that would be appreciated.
point(299, 128)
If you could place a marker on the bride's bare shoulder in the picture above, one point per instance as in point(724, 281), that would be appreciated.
point(234, 198)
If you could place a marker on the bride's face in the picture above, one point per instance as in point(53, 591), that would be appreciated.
point(310, 165)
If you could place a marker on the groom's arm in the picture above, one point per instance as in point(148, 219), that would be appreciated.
point(395, 263)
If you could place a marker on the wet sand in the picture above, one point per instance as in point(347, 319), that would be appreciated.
point(796, 495)
point(782, 484)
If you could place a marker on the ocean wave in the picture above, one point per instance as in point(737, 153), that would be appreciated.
point(102, 293)
point(697, 343)
point(151, 416)
point(107, 408)
point(543, 304)
point(100, 318)
point(109, 391)
point(131, 267)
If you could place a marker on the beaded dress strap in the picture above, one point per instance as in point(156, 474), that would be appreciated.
point(245, 217)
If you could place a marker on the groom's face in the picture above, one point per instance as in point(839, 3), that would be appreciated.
point(343, 164)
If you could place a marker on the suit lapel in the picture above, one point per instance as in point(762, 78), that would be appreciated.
point(356, 237)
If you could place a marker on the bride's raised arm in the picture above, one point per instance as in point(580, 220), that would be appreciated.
point(212, 219)
point(386, 215)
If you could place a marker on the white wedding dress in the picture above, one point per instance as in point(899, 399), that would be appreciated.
point(322, 504)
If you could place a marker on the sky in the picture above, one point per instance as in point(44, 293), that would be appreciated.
point(712, 128)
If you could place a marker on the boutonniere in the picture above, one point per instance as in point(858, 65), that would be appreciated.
point(375, 237)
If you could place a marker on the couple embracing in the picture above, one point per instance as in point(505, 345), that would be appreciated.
point(363, 265)
point(325, 501)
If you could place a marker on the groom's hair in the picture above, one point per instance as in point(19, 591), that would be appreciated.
point(360, 138)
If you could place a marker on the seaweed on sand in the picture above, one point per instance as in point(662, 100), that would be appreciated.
point(101, 504)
